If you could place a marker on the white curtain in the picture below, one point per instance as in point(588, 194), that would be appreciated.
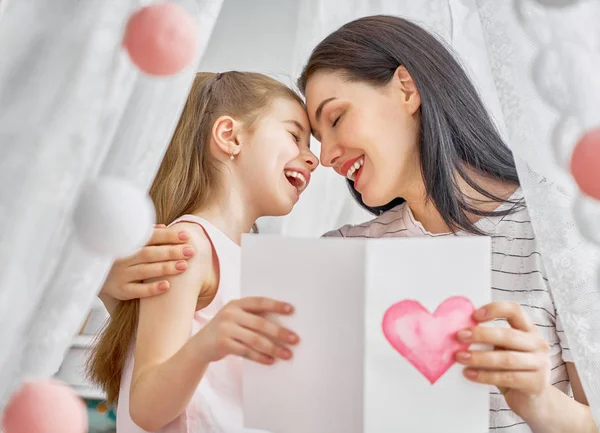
point(73, 109)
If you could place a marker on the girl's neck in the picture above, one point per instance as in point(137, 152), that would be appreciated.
point(230, 214)
point(430, 218)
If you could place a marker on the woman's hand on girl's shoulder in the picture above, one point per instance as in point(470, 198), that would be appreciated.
point(240, 329)
point(165, 254)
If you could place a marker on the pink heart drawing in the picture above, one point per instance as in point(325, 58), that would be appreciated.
point(428, 341)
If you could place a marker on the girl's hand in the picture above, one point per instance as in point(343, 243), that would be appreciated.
point(239, 329)
point(518, 365)
point(165, 254)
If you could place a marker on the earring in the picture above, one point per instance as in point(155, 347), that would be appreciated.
point(232, 157)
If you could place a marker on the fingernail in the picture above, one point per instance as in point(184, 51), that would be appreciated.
point(163, 286)
point(287, 308)
point(481, 314)
point(181, 265)
point(292, 338)
point(188, 251)
point(464, 335)
point(285, 354)
point(183, 236)
point(471, 374)
point(463, 356)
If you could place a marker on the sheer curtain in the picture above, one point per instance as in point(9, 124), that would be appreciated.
point(536, 69)
point(73, 109)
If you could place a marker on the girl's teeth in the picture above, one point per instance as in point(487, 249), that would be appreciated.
point(301, 185)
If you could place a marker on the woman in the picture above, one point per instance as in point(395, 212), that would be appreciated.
point(398, 117)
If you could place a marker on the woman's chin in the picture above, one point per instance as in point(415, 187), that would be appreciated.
point(374, 199)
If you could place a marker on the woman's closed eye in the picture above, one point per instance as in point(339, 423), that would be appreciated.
point(335, 122)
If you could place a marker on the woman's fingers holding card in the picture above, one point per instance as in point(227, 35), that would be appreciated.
point(506, 338)
point(518, 365)
point(500, 360)
point(506, 380)
point(511, 311)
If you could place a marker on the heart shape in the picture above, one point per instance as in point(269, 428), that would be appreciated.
point(428, 341)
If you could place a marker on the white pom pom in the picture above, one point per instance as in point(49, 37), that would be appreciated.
point(586, 212)
point(113, 217)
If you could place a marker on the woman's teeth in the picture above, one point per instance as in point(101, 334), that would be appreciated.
point(352, 170)
point(296, 179)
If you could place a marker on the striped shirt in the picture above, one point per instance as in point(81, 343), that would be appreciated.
point(517, 275)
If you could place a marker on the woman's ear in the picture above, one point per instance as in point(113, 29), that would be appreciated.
point(225, 133)
point(410, 96)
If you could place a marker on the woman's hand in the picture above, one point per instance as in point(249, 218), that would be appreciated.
point(165, 254)
point(519, 364)
point(239, 329)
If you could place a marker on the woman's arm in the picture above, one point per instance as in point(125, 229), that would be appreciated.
point(165, 254)
point(167, 366)
point(558, 413)
point(576, 386)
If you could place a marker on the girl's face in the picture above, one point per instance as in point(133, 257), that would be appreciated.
point(368, 134)
point(278, 160)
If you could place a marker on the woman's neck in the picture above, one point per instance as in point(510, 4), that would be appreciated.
point(431, 219)
point(230, 214)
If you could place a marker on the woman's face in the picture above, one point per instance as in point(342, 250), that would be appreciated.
point(368, 134)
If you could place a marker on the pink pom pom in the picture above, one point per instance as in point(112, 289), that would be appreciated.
point(161, 39)
point(45, 406)
point(585, 164)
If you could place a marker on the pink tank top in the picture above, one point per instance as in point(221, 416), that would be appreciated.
point(216, 406)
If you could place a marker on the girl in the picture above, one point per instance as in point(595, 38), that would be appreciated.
point(239, 152)
point(398, 117)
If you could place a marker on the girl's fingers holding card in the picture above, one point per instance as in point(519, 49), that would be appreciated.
point(266, 327)
point(260, 344)
point(240, 349)
point(259, 304)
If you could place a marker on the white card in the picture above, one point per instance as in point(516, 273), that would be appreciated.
point(321, 388)
point(429, 271)
point(346, 375)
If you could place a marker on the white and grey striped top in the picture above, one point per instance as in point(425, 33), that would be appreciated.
point(517, 275)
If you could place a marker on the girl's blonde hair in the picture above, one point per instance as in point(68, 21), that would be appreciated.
point(187, 180)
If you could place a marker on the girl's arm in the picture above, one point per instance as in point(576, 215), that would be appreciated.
point(169, 364)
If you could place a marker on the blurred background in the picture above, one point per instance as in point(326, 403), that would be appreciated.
point(73, 110)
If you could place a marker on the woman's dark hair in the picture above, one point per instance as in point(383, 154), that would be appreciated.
point(456, 131)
